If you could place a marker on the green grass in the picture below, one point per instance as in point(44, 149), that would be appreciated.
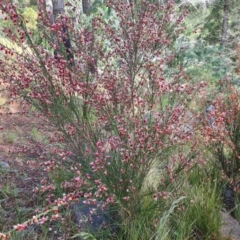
point(163, 230)
point(201, 217)
point(9, 137)
point(38, 136)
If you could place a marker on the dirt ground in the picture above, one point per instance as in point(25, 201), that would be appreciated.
point(24, 174)
point(20, 147)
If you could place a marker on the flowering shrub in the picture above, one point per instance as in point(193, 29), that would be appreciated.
point(120, 115)
point(222, 136)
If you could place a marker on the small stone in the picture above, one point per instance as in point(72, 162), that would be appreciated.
point(4, 164)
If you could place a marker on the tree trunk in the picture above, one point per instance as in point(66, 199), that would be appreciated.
point(225, 22)
point(55, 8)
point(89, 36)
point(86, 4)
point(58, 7)
point(49, 9)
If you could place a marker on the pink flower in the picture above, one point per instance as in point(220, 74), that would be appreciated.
point(20, 227)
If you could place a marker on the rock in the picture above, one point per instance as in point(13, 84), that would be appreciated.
point(229, 199)
point(230, 227)
point(4, 165)
point(93, 219)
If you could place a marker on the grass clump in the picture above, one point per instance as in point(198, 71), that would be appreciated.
point(199, 215)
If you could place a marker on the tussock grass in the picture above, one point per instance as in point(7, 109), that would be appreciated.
point(201, 216)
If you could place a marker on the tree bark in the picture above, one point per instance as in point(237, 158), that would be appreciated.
point(55, 8)
point(49, 9)
point(58, 7)
point(225, 22)
point(86, 4)
point(89, 36)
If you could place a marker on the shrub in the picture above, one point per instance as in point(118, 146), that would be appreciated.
point(119, 113)
point(223, 136)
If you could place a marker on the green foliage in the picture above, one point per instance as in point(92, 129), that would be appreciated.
point(212, 28)
point(98, 6)
point(202, 62)
point(59, 176)
point(84, 236)
point(30, 16)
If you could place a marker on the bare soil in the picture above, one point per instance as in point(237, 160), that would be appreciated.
point(20, 149)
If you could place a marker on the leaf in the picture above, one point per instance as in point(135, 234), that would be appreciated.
point(85, 236)
point(163, 220)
